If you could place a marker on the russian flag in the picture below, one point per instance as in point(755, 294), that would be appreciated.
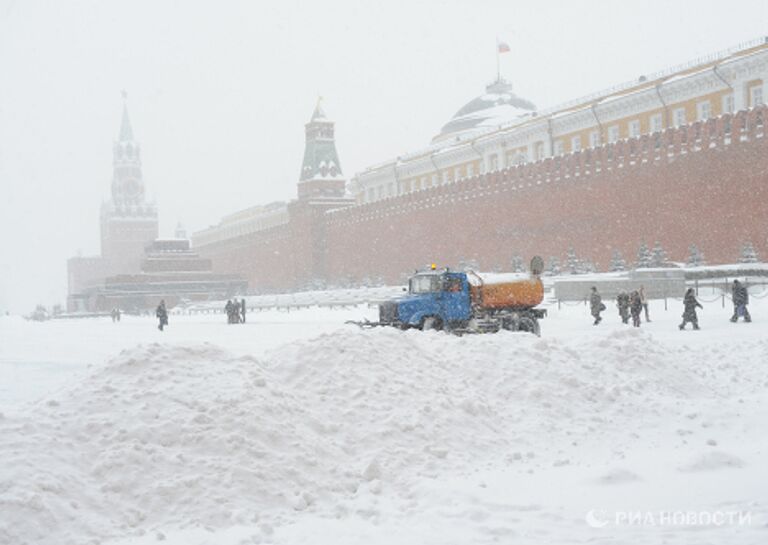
point(503, 47)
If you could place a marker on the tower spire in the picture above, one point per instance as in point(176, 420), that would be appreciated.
point(126, 133)
point(318, 114)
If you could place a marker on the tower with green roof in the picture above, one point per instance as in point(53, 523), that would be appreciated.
point(321, 176)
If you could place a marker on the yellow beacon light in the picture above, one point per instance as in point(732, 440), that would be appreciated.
point(434, 266)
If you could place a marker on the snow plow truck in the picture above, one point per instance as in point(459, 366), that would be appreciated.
point(468, 302)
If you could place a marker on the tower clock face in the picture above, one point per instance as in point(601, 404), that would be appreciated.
point(132, 188)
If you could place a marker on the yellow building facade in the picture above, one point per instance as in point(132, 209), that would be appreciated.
point(498, 129)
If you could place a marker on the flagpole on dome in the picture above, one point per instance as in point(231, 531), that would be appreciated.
point(501, 47)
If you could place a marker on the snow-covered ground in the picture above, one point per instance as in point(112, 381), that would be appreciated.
point(296, 428)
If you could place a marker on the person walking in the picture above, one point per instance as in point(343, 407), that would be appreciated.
point(228, 310)
point(622, 301)
point(235, 311)
point(596, 305)
point(689, 314)
point(242, 311)
point(635, 307)
point(162, 315)
point(644, 302)
point(740, 301)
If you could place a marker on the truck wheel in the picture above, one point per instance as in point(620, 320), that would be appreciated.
point(431, 322)
point(529, 325)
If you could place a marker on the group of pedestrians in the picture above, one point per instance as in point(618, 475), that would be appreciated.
point(235, 311)
point(635, 303)
point(629, 305)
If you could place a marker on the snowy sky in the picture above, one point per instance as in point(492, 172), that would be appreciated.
point(219, 92)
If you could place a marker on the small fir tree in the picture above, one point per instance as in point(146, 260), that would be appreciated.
point(517, 264)
point(573, 264)
point(695, 257)
point(617, 262)
point(644, 257)
point(658, 256)
point(588, 267)
point(553, 266)
point(748, 254)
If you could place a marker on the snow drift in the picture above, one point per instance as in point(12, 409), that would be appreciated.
point(164, 437)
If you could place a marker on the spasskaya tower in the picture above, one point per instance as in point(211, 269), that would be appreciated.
point(128, 221)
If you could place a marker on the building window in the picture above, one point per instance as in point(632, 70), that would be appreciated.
point(390, 187)
point(470, 170)
point(539, 151)
point(728, 104)
point(493, 162)
point(576, 143)
point(457, 173)
point(435, 180)
point(613, 134)
point(594, 139)
point(559, 147)
point(634, 128)
point(381, 191)
point(656, 123)
point(679, 116)
point(445, 177)
point(371, 194)
point(756, 96)
point(703, 110)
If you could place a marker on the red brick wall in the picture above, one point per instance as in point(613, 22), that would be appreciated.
point(263, 258)
point(688, 191)
point(705, 184)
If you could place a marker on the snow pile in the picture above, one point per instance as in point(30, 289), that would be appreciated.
point(166, 437)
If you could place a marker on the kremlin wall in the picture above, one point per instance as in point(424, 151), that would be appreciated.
point(678, 157)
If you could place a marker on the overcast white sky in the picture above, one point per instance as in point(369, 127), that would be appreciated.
point(219, 92)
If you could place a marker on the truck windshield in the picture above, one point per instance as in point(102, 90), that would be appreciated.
point(452, 284)
point(425, 283)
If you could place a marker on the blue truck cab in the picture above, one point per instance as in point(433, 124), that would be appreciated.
point(436, 299)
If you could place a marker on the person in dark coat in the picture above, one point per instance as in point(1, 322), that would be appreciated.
point(162, 315)
point(596, 305)
point(635, 307)
point(242, 311)
point(740, 302)
point(622, 300)
point(235, 311)
point(689, 315)
point(228, 308)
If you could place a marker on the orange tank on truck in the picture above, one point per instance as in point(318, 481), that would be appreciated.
point(510, 291)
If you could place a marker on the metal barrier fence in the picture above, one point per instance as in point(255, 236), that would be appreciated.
point(721, 289)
